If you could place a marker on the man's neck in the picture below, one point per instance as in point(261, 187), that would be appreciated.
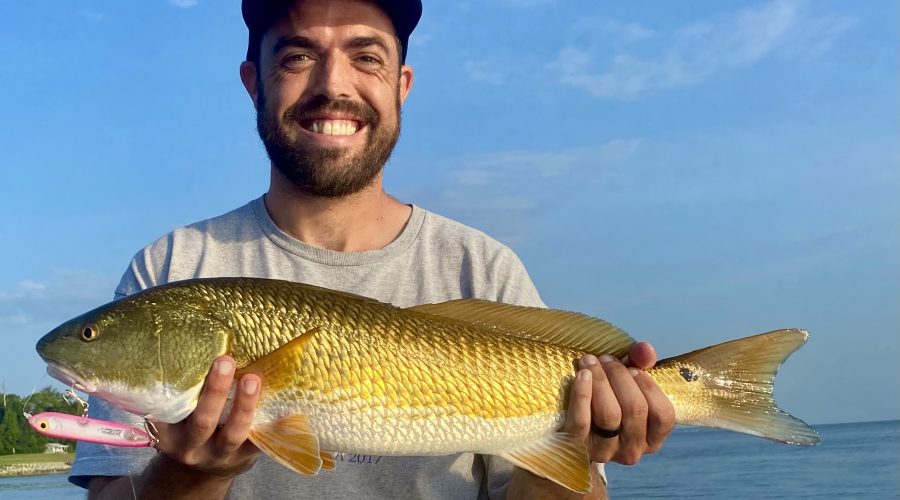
point(367, 220)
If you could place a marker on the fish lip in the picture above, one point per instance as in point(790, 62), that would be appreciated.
point(68, 377)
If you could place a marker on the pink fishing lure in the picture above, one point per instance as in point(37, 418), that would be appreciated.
point(92, 430)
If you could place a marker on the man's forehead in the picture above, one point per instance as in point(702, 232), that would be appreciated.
point(393, 18)
point(357, 17)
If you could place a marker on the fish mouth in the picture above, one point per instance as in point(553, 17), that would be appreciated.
point(70, 378)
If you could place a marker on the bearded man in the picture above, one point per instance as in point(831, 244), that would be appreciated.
point(328, 79)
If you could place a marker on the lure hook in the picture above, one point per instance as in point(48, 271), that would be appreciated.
point(71, 397)
point(151, 431)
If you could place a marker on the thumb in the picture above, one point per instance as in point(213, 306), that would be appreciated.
point(642, 355)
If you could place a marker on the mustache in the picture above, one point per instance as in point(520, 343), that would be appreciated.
point(320, 105)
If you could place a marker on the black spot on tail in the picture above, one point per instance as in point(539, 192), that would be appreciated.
point(688, 375)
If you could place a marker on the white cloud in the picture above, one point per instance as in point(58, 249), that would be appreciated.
point(613, 29)
point(692, 53)
point(32, 287)
point(31, 308)
point(420, 38)
point(43, 304)
point(540, 166)
point(483, 72)
point(503, 192)
point(184, 4)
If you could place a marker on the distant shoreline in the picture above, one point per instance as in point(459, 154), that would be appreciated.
point(35, 464)
point(34, 469)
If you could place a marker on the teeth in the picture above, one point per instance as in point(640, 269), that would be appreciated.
point(333, 127)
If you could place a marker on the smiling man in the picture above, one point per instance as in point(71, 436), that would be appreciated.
point(328, 79)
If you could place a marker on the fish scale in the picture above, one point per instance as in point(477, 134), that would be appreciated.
point(343, 373)
point(382, 375)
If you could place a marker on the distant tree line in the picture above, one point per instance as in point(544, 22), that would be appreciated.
point(16, 436)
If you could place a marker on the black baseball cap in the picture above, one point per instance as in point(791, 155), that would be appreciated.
point(260, 15)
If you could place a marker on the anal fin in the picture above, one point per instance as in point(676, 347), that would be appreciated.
point(291, 443)
point(561, 458)
point(327, 460)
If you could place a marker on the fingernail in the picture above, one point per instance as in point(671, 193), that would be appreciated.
point(633, 371)
point(250, 386)
point(589, 360)
point(223, 367)
point(584, 374)
point(606, 358)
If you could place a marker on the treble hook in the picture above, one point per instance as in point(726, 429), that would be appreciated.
point(150, 428)
point(71, 397)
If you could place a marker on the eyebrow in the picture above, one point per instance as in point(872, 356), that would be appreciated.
point(300, 42)
point(303, 42)
point(362, 42)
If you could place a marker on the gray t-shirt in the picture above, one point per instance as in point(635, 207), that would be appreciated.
point(433, 260)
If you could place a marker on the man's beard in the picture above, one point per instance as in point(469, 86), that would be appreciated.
point(329, 172)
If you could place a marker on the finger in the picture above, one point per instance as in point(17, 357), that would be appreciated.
point(642, 355)
point(578, 415)
point(203, 421)
point(235, 431)
point(660, 412)
point(605, 410)
point(632, 439)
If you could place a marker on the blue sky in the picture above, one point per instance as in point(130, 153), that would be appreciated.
point(692, 171)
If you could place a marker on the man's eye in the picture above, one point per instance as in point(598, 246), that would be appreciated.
point(296, 58)
point(370, 60)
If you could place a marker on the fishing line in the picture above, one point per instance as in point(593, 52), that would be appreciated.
point(25, 404)
point(131, 480)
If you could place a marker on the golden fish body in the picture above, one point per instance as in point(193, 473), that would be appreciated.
point(414, 386)
point(345, 373)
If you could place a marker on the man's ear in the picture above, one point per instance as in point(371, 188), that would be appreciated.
point(249, 79)
point(406, 82)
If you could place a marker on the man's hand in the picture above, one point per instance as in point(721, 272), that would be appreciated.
point(198, 459)
point(618, 409)
point(613, 399)
point(198, 443)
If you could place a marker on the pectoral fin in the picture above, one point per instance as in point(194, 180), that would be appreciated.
point(290, 442)
point(561, 458)
point(277, 368)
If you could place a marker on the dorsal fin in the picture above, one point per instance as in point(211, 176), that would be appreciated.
point(552, 326)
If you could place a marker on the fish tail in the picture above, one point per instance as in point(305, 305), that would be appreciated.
point(730, 386)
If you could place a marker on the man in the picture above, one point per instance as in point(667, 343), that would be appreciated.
point(327, 78)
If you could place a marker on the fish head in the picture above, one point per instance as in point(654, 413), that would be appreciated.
point(147, 354)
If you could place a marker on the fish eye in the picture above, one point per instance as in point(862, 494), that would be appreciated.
point(89, 333)
point(43, 424)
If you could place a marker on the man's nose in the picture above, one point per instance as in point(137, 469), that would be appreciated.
point(333, 78)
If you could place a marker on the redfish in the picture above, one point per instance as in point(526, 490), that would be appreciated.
point(344, 373)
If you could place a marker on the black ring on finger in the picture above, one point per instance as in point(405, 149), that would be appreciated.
point(605, 433)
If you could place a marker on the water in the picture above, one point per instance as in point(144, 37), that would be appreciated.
point(54, 486)
point(860, 460)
